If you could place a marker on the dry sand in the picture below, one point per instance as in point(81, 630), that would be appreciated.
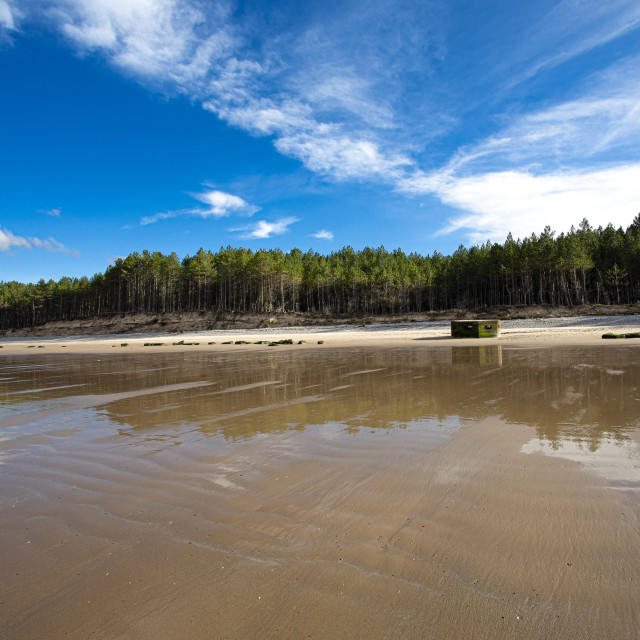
point(584, 330)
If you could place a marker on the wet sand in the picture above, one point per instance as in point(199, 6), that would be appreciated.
point(407, 491)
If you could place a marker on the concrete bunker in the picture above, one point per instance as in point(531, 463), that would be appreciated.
point(475, 328)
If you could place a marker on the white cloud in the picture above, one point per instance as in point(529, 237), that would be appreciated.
point(223, 204)
point(341, 156)
point(159, 39)
point(9, 241)
point(6, 15)
point(323, 147)
point(220, 205)
point(328, 114)
point(263, 116)
point(522, 203)
point(553, 166)
point(9, 14)
point(323, 234)
point(264, 229)
point(355, 95)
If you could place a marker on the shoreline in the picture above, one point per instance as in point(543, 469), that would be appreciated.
point(189, 321)
point(537, 332)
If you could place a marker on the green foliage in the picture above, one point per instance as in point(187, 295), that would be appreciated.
point(584, 266)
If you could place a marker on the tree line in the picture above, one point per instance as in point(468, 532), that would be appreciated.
point(587, 265)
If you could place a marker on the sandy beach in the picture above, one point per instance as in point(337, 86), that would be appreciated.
point(583, 330)
point(389, 483)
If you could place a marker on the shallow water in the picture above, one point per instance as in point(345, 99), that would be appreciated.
point(415, 492)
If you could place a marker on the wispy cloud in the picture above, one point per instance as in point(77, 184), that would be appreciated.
point(9, 241)
point(602, 124)
point(570, 29)
point(8, 15)
point(264, 228)
point(366, 96)
point(553, 166)
point(55, 213)
point(306, 87)
point(336, 89)
point(220, 205)
point(342, 157)
point(53, 246)
point(167, 40)
point(323, 234)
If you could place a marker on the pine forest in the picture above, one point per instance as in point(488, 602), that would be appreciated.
point(585, 266)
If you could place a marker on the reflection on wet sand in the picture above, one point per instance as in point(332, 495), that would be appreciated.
point(482, 355)
point(617, 459)
point(356, 492)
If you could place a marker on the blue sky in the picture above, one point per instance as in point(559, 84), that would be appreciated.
point(173, 124)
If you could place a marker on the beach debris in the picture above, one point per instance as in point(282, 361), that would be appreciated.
point(242, 342)
point(228, 342)
point(320, 341)
point(262, 342)
point(186, 344)
point(617, 336)
point(154, 344)
point(124, 344)
point(210, 342)
point(302, 342)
